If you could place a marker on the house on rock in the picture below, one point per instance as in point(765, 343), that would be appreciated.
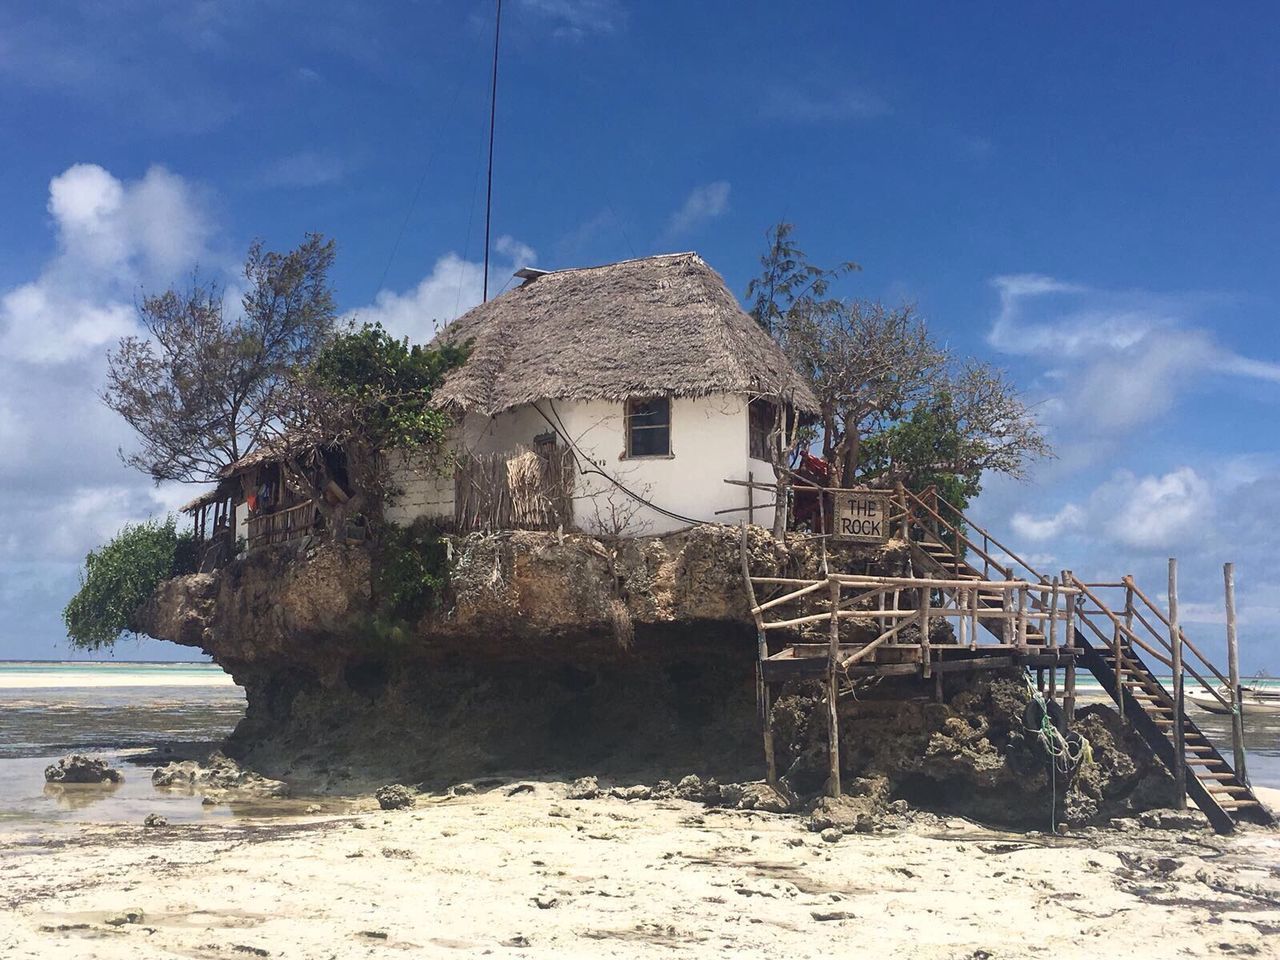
point(616, 399)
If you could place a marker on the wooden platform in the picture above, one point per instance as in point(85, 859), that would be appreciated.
point(810, 661)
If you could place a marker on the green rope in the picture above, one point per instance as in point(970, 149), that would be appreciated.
point(1061, 758)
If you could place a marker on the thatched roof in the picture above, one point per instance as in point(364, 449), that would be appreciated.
point(206, 498)
point(664, 324)
point(274, 450)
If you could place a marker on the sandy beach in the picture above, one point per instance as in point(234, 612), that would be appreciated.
point(519, 870)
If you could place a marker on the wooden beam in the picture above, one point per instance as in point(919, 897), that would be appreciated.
point(833, 714)
point(1233, 669)
point(1175, 642)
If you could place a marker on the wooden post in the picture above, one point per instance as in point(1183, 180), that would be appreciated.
point(1116, 655)
point(1128, 603)
point(1006, 607)
point(833, 716)
point(1069, 680)
point(1175, 643)
point(900, 491)
point(1053, 616)
point(926, 655)
point(962, 605)
point(751, 497)
point(1053, 638)
point(1233, 672)
point(1022, 619)
point(1069, 695)
point(973, 621)
point(763, 699)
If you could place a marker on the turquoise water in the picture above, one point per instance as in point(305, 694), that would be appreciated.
point(112, 710)
point(51, 708)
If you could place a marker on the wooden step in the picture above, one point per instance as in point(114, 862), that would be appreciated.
point(1216, 776)
point(1237, 804)
point(1228, 790)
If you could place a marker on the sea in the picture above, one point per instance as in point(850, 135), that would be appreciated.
point(125, 712)
point(119, 711)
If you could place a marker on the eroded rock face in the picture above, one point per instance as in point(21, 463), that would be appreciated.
point(522, 669)
point(970, 755)
point(77, 768)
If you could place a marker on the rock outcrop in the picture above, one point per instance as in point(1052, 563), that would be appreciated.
point(77, 768)
point(524, 667)
point(218, 777)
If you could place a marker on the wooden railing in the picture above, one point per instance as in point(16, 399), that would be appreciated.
point(894, 603)
point(287, 524)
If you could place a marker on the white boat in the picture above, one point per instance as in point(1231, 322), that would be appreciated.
point(1253, 700)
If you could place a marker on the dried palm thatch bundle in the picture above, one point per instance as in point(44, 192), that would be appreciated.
point(514, 491)
point(526, 479)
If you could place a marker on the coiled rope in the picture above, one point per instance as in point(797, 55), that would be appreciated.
point(1064, 758)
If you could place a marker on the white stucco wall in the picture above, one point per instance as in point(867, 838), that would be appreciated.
point(709, 443)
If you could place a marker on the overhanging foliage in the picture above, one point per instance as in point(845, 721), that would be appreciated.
point(120, 576)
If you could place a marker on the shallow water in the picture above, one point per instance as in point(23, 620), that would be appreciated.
point(115, 710)
point(44, 720)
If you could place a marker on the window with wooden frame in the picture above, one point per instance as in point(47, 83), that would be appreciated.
point(648, 427)
point(762, 420)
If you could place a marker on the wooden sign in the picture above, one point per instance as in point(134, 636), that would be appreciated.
point(861, 517)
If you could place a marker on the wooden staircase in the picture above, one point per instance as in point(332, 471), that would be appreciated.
point(1114, 660)
point(1210, 781)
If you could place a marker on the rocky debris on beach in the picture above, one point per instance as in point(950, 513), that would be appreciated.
point(220, 775)
point(77, 768)
point(154, 820)
point(394, 796)
point(124, 917)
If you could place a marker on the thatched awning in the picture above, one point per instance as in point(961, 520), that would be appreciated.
point(220, 491)
point(664, 324)
point(277, 450)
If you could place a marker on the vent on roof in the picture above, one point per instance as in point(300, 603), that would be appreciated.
point(530, 274)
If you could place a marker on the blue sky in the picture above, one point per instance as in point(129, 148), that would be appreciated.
point(1083, 194)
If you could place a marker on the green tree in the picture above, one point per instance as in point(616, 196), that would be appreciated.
point(789, 286)
point(370, 394)
point(369, 386)
point(206, 385)
point(893, 403)
point(120, 576)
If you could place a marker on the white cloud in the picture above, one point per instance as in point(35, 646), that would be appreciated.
point(703, 204)
point(112, 237)
point(1025, 525)
point(575, 19)
point(309, 168)
point(65, 488)
point(453, 287)
point(1157, 512)
point(1116, 359)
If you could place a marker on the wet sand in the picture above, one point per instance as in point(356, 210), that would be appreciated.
point(521, 871)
